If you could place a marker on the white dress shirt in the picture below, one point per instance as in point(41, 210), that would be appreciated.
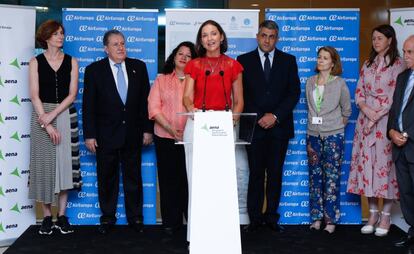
point(263, 58)
point(115, 71)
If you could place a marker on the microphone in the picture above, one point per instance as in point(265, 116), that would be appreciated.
point(204, 94)
point(224, 89)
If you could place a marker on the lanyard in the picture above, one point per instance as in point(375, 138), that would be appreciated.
point(319, 95)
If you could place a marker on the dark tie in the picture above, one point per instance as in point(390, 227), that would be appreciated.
point(267, 66)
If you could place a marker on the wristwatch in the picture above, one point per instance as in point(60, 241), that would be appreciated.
point(404, 134)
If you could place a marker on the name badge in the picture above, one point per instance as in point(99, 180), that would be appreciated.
point(316, 120)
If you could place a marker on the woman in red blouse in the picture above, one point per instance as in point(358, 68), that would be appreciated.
point(164, 102)
point(213, 80)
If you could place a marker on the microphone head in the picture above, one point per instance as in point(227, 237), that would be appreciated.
point(221, 73)
point(208, 72)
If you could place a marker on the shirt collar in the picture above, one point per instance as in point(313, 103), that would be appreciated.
point(112, 63)
point(261, 53)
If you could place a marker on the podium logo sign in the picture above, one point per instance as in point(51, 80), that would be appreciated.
point(215, 130)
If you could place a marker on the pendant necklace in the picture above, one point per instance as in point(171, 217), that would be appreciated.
point(215, 66)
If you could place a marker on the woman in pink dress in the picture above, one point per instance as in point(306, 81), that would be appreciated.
point(372, 171)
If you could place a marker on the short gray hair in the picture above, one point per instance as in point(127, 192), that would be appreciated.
point(109, 33)
point(269, 24)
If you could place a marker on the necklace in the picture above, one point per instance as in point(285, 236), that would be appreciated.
point(215, 66)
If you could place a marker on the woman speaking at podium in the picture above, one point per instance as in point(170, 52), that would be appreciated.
point(213, 82)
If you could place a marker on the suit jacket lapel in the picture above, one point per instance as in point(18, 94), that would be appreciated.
point(407, 76)
point(275, 62)
point(112, 89)
point(259, 67)
point(131, 78)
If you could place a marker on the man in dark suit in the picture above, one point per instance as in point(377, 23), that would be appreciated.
point(400, 130)
point(271, 89)
point(115, 125)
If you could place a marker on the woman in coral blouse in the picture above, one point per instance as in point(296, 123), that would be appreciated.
point(164, 102)
point(372, 171)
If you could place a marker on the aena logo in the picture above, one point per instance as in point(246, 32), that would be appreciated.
point(11, 190)
point(11, 226)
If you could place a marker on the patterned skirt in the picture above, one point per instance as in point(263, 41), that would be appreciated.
point(54, 168)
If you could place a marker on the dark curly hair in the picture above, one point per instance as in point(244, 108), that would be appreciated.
point(201, 51)
point(392, 51)
point(169, 64)
point(45, 31)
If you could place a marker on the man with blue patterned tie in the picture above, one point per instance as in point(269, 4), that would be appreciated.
point(115, 125)
point(401, 132)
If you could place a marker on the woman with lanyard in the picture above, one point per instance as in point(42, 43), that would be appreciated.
point(213, 82)
point(329, 108)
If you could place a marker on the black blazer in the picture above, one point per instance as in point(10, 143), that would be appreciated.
point(279, 96)
point(105, 117)
point(407, 117)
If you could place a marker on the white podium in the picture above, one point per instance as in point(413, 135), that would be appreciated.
point(213, 225)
